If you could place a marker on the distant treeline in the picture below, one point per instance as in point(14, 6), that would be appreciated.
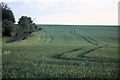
point(59, 25)
point(10, 29)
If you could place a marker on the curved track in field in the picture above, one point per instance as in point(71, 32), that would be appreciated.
point(45, 38)
point(86, 38)
point(79, 54)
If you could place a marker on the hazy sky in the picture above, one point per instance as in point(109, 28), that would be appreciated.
point(88, 12)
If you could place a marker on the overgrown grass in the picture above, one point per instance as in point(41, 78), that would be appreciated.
point(63, 52)
point(14, 39)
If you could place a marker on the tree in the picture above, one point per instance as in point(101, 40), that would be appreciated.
point(19, 29)
point(31, 24)
point(7, 14)
point(27, 24)
point(29, 20)
point(9, 28)
point(23, 21)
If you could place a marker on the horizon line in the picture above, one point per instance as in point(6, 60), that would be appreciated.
point(83, 24)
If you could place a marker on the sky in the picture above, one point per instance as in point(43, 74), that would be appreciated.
point(70, 12)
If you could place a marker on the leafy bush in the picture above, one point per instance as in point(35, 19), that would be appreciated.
point(7, 14)
point(9, 28)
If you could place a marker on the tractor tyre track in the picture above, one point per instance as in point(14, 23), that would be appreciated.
point(87, 38)
point(81, 56)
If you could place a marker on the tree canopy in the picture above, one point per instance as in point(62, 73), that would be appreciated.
point(9, 28)
point(25, 24)
point(7, 14)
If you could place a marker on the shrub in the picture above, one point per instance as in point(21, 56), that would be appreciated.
point(9, 28)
